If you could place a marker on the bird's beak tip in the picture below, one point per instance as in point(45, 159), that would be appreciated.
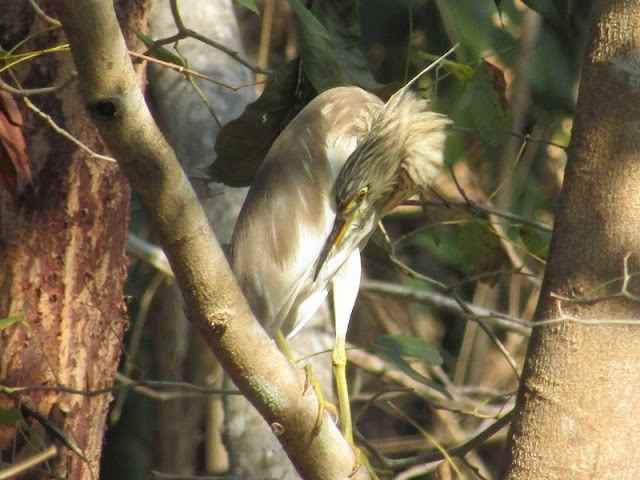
point(333, 240)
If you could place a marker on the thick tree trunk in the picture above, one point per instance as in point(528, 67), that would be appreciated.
point(62, 264)
point(577, 407)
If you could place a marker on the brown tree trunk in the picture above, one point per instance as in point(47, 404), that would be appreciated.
point(62, 264)
point(578, 413)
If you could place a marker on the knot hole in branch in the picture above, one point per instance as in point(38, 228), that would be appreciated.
point(104, 108)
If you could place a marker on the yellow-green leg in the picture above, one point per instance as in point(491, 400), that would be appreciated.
point(339, 357)
point(345, 284)
point(339, 372)
point(323, 405)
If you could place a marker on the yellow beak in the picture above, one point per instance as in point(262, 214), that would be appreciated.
point(340, 227)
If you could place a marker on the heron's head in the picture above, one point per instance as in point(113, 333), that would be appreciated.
point(400, 155)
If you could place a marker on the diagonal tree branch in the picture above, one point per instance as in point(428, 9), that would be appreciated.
point(276, 388)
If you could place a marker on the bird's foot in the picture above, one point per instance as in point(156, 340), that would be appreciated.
point(322, 403)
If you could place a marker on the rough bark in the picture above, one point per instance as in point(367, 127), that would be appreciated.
point(213, 299)
point(62, 264)
point(577, 407)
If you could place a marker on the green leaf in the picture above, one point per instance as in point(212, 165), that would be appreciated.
point(536, 242)
point(446, 251)
point(330, 54)
point(482, 250)
point(5, 322)
point(335, 59)
point(10, 417)
point(553, 75)
point(396, 347)
point(243, 143)
point(490, 111)
point(159, 52)
point(553, 11)
point(307, 20)
point(462, 72)
point(251, 5)
point(409, 346)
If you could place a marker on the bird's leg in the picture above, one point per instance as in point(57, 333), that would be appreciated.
point(345, 283)
point(309, 381)
point(283, 345)
point(339, 358)
point(322, 403)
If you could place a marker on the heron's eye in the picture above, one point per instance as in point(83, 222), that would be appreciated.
point(356, 200)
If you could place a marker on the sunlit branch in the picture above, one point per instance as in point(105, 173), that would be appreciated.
point(497, 319)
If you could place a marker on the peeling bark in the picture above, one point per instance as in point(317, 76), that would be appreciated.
point(62, 265)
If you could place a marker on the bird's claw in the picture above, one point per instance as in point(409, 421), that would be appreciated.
point(322, 403)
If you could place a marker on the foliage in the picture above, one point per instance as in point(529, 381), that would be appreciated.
point(453, 245)
point(243, 143)
point(458, 243)
point(330, 56)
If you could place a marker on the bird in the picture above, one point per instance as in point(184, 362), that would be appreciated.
point(338, 167)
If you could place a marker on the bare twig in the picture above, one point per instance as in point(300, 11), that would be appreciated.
point(481, 322)
point(20, 468)
point(144, 386)
point(63, 132)
point(196, 88)
point(463, 405)
point(459, 451)
point(591, 298)
point(185, 70)
point(134, 342)
point(150, 253)
point(184, 32)
point(446, 303)
point(41, 13)
point(475, 208)
point(31, 92)
point(523, 136)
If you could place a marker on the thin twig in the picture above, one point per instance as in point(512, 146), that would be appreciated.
point(150, 253)
point(195, 86)
point(125, 383)
point(134, 342)
point(63, 132)
point(30, 92)
point(523, 136)
point(448, 304)
point(462, 405)
point(474, 208)
point(184, 32)
point(590, 298)
point(41, 13)
point(15, 470)
point(481, 322)
point(459, 451)
point(181, 69)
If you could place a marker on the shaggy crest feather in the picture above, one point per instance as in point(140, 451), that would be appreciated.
point(403, 151)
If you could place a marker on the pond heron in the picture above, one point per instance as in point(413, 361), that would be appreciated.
point(340, 165)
